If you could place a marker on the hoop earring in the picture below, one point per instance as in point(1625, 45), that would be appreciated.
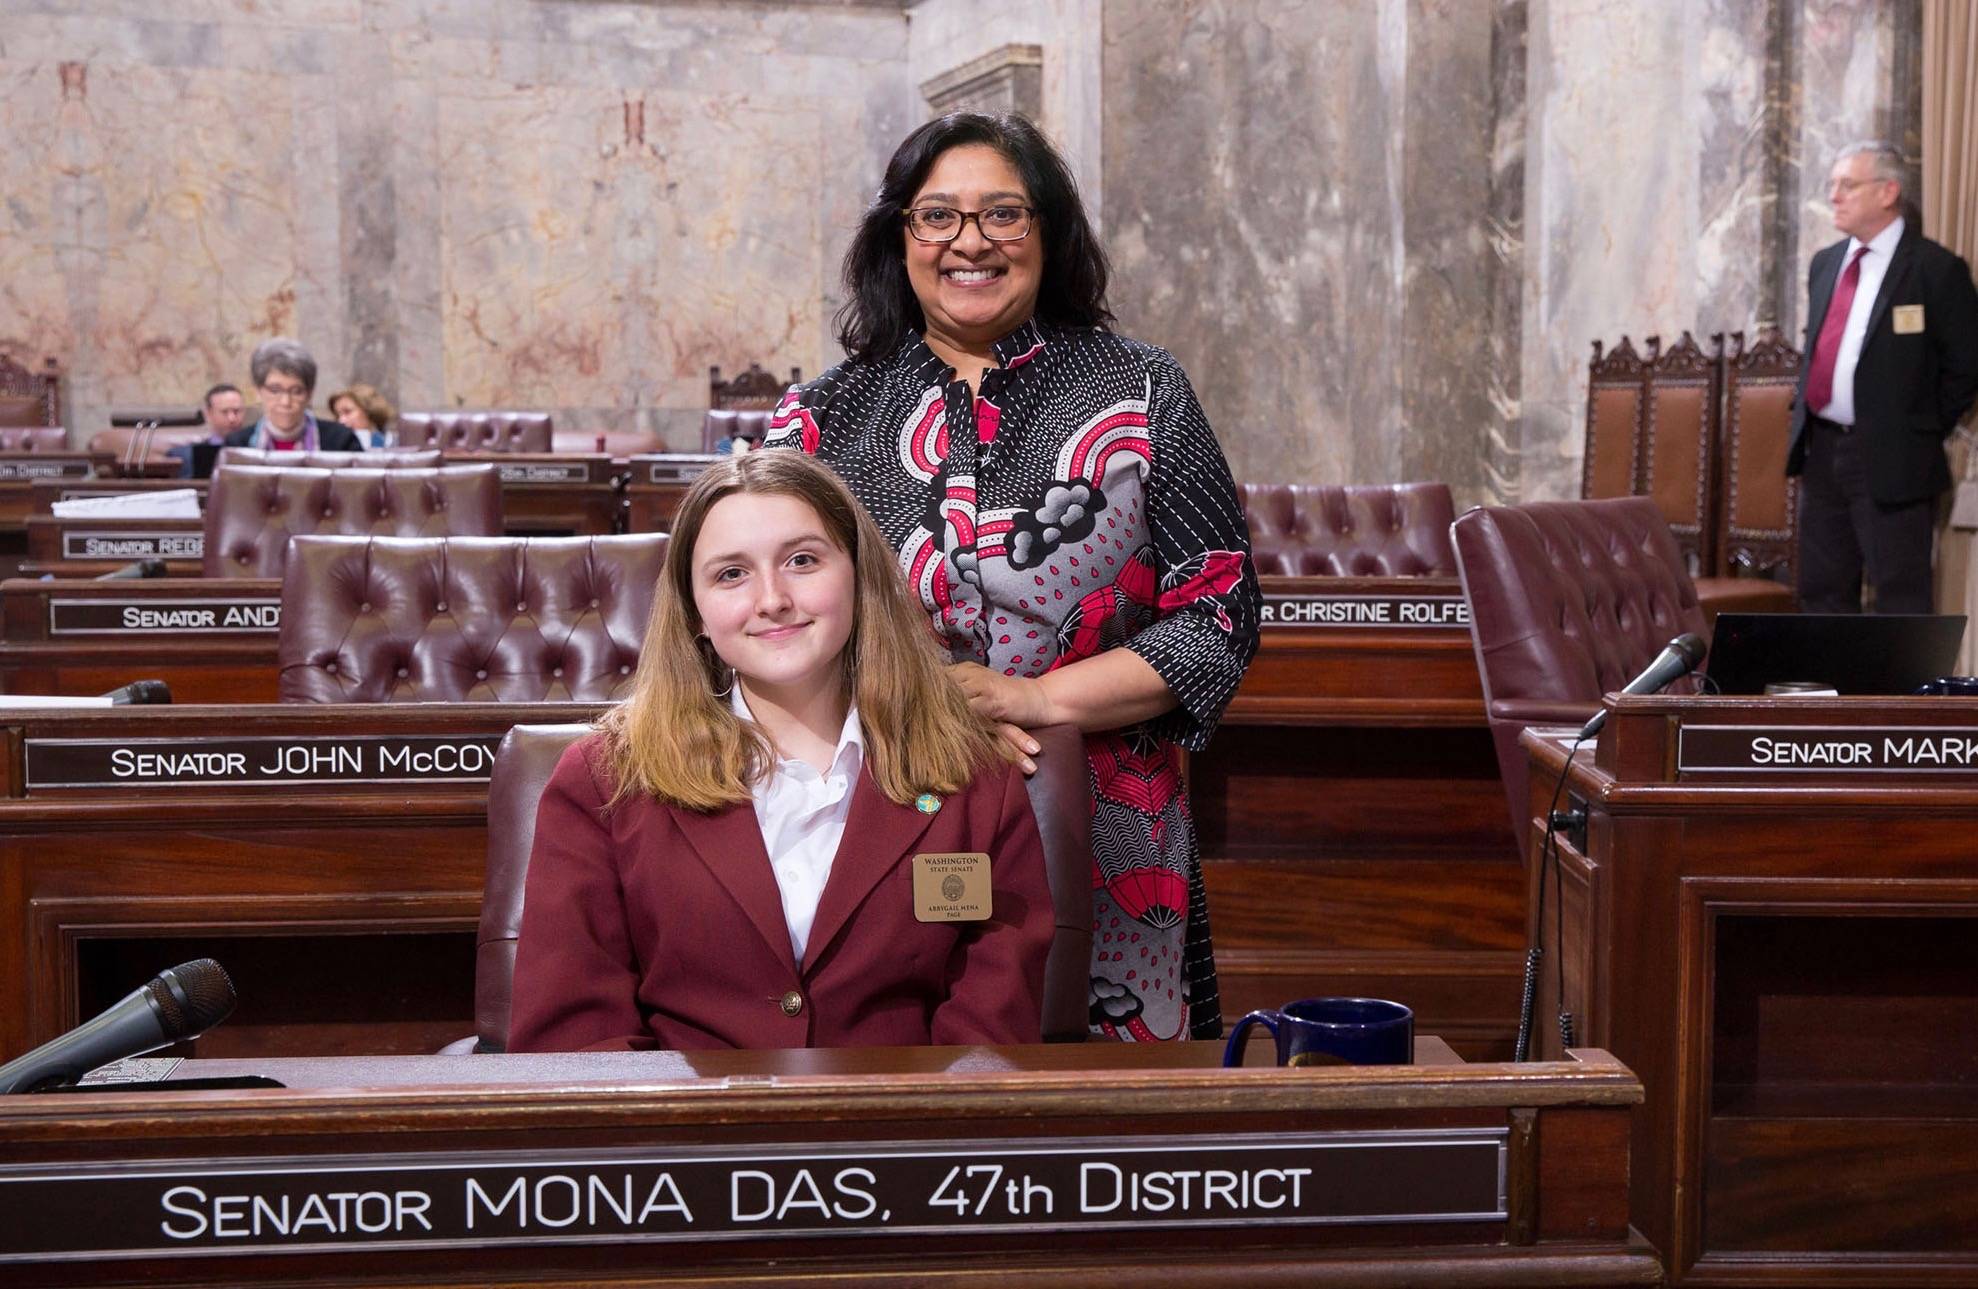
point(712, 661)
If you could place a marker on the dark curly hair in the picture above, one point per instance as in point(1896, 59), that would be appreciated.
point(880, 306)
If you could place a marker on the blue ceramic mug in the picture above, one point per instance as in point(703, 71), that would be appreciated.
point(1332, 1031)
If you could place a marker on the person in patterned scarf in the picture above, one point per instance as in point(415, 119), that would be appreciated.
point(1061, 509)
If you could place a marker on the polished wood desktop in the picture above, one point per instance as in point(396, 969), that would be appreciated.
point(1350, 814)
point(1769, 914)
point(1049, 1165)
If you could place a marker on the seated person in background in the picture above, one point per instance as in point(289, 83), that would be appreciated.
point(285, 374)
point(224, 412)
point(751, 850)
point(364, 411)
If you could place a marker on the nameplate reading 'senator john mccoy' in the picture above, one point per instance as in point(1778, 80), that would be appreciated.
point(951, 887)
point(1827, 749)
point(51, 468)
point(80, 543)
point(115, 617)
point(180, 762)
point(301, 1204)
point(1408, 611)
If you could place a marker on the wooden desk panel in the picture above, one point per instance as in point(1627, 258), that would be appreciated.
point(553, 493)
point(87, 547)
point(1771, 915)
point(655, 483)
point(213, 640)
point(1351, 817)
point(1557, 1131)
point(352, 905)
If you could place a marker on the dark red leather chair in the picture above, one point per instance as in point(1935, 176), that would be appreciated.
point(492, 431)
point(1374, 530)
point(252, 511)
point(719, 425)
point(378, 459)
point(33, 438)
point(1569, 600)
point(464, 619)
point(1059, 794)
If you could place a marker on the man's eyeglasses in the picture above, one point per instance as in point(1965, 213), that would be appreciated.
point(285, 391)
point(944, 223)
point(1845, 186)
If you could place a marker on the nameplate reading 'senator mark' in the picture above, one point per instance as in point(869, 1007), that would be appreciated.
point(248, 762)
point(1336, 611)
point(84, 544)
point(296, 1205)
point(544, 472)
point(1827, 749)
point(112, 617)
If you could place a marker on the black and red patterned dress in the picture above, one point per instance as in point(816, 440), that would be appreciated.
point(1078, 503)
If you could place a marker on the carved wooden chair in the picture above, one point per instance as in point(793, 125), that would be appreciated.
point(30, 397)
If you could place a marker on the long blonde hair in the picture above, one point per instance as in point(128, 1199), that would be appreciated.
point(677, 740)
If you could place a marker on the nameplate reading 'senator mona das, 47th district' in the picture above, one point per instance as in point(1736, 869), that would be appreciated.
point(1827, 749)
point(80, 543)
point(1365, 611)
point(138, 1209)
point(114, 617)
point(167, 763)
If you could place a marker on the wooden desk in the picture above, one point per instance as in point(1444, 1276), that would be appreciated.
point(86, 546)
point(346, 882)
point(655, 483)
point(944, 1166)
point(1771, 918)
point(545, 494)
point(1351, 816)
point(213, 640)
point(19, 473)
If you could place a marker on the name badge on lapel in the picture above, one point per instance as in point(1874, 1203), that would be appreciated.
point(951, 887)
point(1908, 319)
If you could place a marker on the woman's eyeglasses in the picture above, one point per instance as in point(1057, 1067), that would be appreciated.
point(944, 224)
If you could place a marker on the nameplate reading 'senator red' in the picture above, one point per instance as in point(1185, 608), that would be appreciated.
point(1407, 611)
point(296, 1205)
point(115, 617)
point(80, 543)
point(249, 762)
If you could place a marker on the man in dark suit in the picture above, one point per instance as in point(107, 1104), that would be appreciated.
point(1891, 366)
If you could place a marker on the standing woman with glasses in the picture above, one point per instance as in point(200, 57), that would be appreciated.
point(1063, 514)
point(285, 373)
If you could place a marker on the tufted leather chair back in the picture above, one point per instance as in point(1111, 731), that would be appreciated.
point(1569, 600)
point(33, 438)
point(1375, 530)
point(495, 431)
point(718, 425)
point(380, 459)
point(252, 510)
point(464, 619)
point(1059, 795)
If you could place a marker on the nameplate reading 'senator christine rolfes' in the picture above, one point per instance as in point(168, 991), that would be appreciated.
point(1365, 611)
point(139, 1209)
point(121, 617)
point(165, 763)
point(80, 543)
point(1827, 749)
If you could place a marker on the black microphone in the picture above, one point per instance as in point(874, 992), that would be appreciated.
point(183, 1002)
point(1678, 659)
point(140, 693)
point(141, 569)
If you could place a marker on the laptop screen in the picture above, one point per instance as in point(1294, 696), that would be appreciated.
point(1851, 653)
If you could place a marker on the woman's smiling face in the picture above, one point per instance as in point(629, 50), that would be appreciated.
point(973, 291)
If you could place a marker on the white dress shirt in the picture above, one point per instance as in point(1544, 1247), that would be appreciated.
point(1874, 267)
point(802, 816)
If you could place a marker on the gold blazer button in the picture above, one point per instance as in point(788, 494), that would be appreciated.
point(793, 1002)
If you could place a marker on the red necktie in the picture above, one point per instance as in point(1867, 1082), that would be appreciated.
point(1827, 349)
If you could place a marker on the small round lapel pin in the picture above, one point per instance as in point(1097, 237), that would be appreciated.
point(927, 803)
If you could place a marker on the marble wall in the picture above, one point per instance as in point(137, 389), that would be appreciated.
point(1382, 235)
point(571, 204)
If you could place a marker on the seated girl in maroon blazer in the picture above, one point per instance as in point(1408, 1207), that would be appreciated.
point(794, 833)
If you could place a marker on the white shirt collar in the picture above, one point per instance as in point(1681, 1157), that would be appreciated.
point(846, 757)
point(1883, 244)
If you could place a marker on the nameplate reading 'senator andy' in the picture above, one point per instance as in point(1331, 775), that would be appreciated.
point(951, 887)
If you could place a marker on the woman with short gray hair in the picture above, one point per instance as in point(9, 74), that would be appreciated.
point(285, 374)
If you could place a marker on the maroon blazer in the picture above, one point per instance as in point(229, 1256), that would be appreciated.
point(651, 926)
